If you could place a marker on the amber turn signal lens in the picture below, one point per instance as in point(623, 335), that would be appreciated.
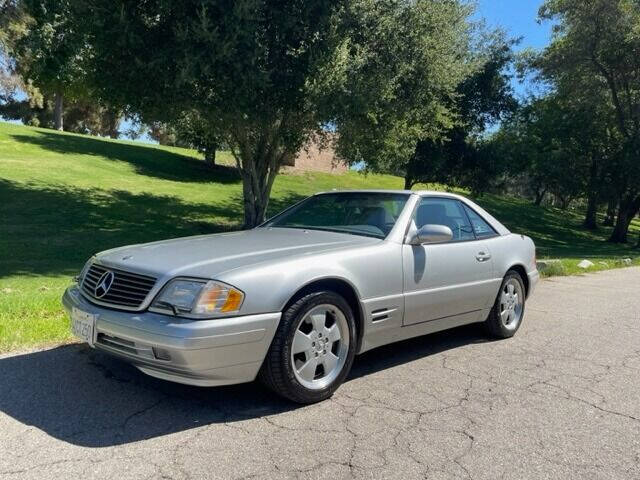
point(234, 300)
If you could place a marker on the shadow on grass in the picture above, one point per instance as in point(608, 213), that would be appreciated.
point(53, 230)
point(556, 233)
point(86, 398)
point(146, 160)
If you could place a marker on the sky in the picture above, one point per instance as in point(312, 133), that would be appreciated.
point(519, 19)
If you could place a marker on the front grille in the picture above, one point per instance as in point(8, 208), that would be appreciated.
point(128, 289)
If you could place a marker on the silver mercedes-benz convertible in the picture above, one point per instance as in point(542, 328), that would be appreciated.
point(294, 300)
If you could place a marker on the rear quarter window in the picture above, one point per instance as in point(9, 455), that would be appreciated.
point(480, 226)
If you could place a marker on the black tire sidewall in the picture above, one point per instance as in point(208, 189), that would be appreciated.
point(496, 327)
point(291, 320)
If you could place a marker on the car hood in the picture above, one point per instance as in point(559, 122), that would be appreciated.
point(209, 255)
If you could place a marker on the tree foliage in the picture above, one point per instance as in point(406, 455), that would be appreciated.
point(264, 77)
point(49, 49)
point(251, 70)
point(12, 20)
point(82, 115)
point(466, 156)
point(597, 43)
point(404, 63)
point(560, 146)
point(47, 54)
point(189, 130)
point(10, 83)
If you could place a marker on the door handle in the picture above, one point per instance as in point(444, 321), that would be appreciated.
point(483, 257)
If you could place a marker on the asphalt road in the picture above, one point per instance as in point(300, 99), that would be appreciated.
point(561, 400)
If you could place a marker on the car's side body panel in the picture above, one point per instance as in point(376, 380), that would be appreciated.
point(446, 280)
point(372, 270)
point(396, 333)
point(511, 250)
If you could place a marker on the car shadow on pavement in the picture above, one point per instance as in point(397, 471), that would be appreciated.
point(84, 397)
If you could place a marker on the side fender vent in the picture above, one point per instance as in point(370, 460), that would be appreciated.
point(382, 314)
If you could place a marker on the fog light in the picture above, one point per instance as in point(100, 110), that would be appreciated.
point(161, 354)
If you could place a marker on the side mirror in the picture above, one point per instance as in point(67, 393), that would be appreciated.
point(431, 234)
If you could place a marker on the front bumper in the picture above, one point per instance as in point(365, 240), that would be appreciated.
point(197, 352)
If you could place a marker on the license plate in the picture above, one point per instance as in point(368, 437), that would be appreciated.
point(82, 325)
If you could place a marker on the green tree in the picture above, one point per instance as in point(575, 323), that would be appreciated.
point(465, 156)
point(535, 149)
point(189, 130)
point(405, 62)
point(12, 24)
point(252, 70)
point(82, 114)
point(263, 77)
point(49, 50)
point(10, 83)
point(560, 146)
point(600, 40)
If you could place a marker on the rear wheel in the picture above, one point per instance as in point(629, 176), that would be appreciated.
point(313, 348)
point(507, 313)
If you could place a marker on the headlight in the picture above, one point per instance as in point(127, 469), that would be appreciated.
point(198, 298)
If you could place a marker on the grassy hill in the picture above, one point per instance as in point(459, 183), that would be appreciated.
point(64, 197)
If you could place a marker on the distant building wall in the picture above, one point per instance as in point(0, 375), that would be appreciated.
point(314, 159)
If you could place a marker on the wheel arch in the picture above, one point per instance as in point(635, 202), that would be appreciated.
point(522, 271)
point(343, 288)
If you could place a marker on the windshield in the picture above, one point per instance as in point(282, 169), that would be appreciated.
point(369, 214)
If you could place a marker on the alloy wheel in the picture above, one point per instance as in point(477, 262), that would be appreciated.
point(511, 304)
point(320, 346)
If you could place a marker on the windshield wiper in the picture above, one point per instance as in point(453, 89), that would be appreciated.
point(359, 233)
point(174, 308)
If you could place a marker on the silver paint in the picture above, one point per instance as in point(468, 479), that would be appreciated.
point(402, 290)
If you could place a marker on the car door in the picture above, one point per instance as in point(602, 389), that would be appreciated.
point(449, 279)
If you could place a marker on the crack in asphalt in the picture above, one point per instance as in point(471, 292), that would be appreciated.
point(555, 401)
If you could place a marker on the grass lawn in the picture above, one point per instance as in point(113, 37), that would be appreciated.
point(64, 197)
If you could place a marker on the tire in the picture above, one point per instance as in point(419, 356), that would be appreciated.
point(507, 313)
point(302, 338)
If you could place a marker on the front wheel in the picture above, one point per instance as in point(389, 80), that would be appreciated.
point(507, 313)
point(313, 348)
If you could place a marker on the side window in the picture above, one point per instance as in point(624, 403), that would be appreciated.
point(480, 227)
point(445, 211)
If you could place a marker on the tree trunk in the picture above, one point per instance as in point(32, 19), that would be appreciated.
point(256, 190)
point(259, 155)
point(258, 168)
point(540, 193)
point(610, 217)
point(621, 228)
point(591, 217)
point(113, 122)
point(409, 182)
point(58, 112)
point(629, 207)
point(564, 201)
point(255, 206)
point(210, 157)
